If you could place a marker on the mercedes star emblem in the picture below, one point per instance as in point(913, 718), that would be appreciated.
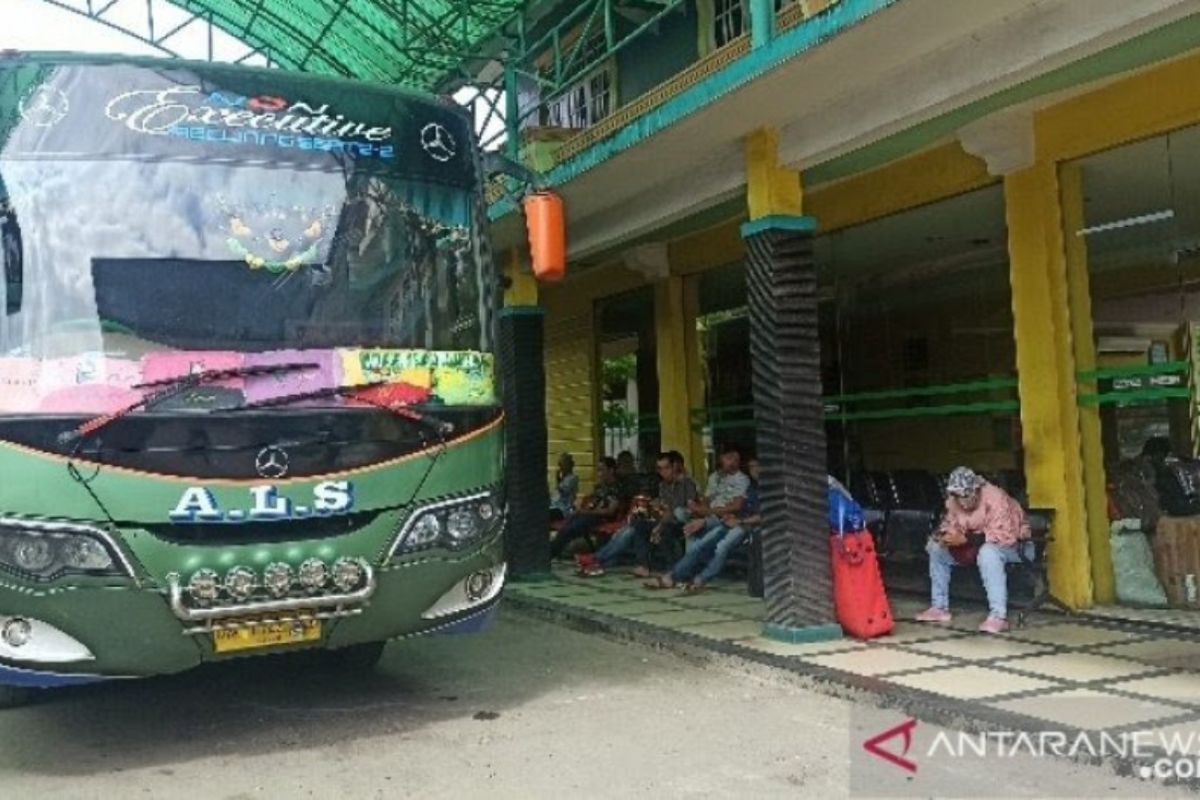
point(438, 142)
point(43, 107)
point(271, 462)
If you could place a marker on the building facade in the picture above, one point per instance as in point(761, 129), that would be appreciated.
point(1001, 232)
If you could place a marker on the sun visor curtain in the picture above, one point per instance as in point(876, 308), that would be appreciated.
point(447, 205)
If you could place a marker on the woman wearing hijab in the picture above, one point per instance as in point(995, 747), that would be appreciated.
point(978, 514)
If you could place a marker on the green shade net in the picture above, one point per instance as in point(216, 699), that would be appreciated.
point(414, 43)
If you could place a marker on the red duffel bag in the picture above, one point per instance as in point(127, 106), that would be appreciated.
point(858, 594)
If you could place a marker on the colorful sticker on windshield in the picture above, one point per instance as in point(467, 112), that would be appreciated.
point(454, 377)
point(322, 375)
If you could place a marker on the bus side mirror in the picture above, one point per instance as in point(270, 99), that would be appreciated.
point(546, 225)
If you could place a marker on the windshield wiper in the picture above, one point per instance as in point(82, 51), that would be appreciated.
point(173, 387)
point(440, 427)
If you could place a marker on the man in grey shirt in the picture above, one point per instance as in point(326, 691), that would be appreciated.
point(725, 494)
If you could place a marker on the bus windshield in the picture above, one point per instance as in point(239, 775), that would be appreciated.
point(159, 220)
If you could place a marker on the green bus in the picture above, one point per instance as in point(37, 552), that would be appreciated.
point(247, 393)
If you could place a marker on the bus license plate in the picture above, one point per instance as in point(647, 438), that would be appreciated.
point(266, 635)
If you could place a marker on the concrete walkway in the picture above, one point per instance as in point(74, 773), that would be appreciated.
point(526, 710)
point(1056, 673)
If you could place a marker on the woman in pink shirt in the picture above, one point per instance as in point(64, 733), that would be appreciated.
point(976, 509)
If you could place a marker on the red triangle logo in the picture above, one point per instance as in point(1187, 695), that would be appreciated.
point(905, 730)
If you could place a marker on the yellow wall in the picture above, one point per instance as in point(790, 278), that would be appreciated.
point(571, 409)
point(573, 367)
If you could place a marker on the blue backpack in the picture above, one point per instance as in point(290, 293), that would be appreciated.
point(845, 515)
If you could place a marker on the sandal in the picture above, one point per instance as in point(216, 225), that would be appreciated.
point(694, 588)
point(659, 583)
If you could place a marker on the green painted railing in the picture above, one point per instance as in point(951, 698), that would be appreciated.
point(1140, 384)
point(1171, 384)
point(849, 407)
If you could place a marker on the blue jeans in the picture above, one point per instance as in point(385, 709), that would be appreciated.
point(991, 561)
point(717, 540)
point(621, 541)
point(577, 526)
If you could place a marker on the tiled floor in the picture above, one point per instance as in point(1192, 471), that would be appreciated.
point(1089, 709)
point(1183, 618)
point(1086, 672)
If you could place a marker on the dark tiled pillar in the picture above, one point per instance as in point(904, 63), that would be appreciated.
point(522, 388)
point(785, 353)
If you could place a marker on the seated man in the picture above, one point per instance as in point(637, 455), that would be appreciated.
point(976, 509)
point(716, 543)
point(663, 517)
point(604, 504)
point(566, 488)
point(725, 493)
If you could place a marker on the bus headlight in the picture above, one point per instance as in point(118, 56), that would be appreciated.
point(462, 525)
point(45, 551)
point(425, 533)
point(451, 524)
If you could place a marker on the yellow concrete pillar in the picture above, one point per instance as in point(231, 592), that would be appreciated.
point(522, 289)
point(771, 190)
point(1046, 373)
point(1083, 342)
point(693, 352)
point(673, 346)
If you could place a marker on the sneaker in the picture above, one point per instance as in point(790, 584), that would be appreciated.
point(934, 614)
point(994, 625)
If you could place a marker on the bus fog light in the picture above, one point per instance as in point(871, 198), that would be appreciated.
point(313, 574)
point(28, 640)
point(277, 578)
point(16, 632)
point(477, 589)
point(477, 584)
point(240, 583)
point(204, 586)
point(347, 574)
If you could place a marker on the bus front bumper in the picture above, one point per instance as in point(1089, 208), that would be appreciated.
point(88, 633)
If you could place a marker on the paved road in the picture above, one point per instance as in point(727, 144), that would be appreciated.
point(527, 710)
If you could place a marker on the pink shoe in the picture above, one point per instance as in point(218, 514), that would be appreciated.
point(994, 625)
point(934, 614)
